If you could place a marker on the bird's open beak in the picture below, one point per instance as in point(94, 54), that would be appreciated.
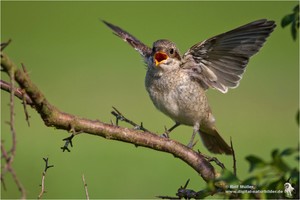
point(160, 57)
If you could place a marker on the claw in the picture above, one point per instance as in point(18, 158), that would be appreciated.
point(165, 135)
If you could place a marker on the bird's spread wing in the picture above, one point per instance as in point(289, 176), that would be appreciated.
point(143, 49)
point(219, 62)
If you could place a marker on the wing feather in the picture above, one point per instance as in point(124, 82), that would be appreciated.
point(143, 49)
point(226, 56)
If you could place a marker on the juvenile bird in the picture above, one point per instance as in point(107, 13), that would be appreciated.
point(176, 84)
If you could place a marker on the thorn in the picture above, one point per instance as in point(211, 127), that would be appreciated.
point(186, 184)
point(5, 44)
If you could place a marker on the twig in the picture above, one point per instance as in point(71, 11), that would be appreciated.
point(3, 167)
point(17, 181)
point(12, 114)
point(9, 158)
point(8, 167)
point(121, 117)
point(27, 116)
point(85, 188)
point(47, 166)
point(233, 157)
point(24, 99)
point(18, 92)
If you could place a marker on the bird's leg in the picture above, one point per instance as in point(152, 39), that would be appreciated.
point(167, 132)
point(191, 144)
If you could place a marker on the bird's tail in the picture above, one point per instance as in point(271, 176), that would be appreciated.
point(214, 142)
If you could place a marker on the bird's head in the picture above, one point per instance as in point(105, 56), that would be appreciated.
point(165, 55)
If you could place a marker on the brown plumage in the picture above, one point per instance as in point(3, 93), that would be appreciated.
point(176, 84)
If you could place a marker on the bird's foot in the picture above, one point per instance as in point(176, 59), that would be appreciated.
point(191, 144)
point(166, 133)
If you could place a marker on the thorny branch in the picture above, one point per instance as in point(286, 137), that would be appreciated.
point(18, 92)
point(31, 95)
point(121, 117)
point(55, 118)
point(47, 166)
point(9, 156)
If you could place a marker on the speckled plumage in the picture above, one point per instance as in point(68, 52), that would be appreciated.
point(176, 84)
point(177, 96)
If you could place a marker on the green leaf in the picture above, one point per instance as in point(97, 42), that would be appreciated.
point(296, 9)
point(250, 181)
point(275, 153)
point(294, 30)
point(275, 185)
point(280, 164)
point(286, 20)
point(255, 162)
point(288, 151)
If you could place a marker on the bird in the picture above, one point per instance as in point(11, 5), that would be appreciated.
point(177, 84)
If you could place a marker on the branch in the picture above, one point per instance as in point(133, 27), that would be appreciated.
point(18, 92)
point(7, 167)
point(85, 187)
point(53, 117)
point(47, 166)
point(9, 156)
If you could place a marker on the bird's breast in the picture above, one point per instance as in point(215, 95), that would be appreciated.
point(177, 96)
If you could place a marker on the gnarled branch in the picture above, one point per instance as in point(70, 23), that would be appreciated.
point(53, 117)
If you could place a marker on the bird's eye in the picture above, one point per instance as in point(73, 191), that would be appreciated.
point(153, 49)
point(171, 51)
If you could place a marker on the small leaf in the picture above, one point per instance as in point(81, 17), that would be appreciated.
point(286, 20)
point(255, 162)
point(275, 153)
point(296, 9)
point(294, 30)
point(288, 151)
point(280, 164)
point(294, 177)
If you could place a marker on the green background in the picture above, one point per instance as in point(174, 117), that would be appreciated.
point(84, 69)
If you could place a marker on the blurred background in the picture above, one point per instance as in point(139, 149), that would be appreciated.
point(83, 69)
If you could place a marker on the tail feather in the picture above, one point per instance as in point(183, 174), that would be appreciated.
point(214, 142)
